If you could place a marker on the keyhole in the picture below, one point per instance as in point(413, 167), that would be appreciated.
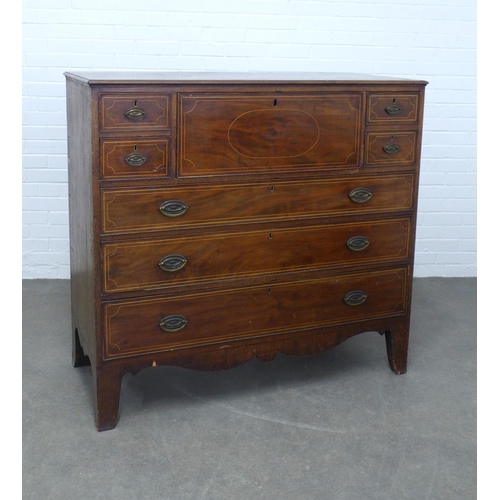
point(268, 290)
point(276, 102)
point(135, 104)
point(270, 236)
point(394, 101)
point(392, 138)
point(135, 147)
point(271, 188)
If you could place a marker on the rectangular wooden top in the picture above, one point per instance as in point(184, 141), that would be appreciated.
point(182, 77)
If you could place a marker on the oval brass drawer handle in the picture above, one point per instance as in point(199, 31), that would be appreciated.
point(358, 243)
point(360, 195)
point(173, 208)
point(172, 263)
point(391, 148)
point(135, 114)
point(173, 323)
point(355, 298)
point(135, 159)
point(393, 109)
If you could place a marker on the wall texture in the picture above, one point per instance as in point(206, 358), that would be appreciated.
point(433, 40)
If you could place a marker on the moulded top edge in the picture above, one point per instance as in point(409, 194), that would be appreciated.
point(197, 77)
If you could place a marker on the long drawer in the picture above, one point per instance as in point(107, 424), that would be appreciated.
point(128, 210)
point(151, 325)
point(161, 263)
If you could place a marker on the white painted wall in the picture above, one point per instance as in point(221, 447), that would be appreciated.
point(433, 40)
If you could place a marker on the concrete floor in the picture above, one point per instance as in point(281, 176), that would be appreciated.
point(336, 426)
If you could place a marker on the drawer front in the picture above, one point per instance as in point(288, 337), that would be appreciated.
point(133, 210)
point(228, 135)
point(168, 323)
point(393, 108)
point(141, 158)
point(391, 149)
point(134, 112)
point(175, 261)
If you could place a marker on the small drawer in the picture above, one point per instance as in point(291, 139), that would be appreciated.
point(128, 112)
point(151, 325)
point(156, 209)
point(393, 108)
point(156, 264)
point(390, 149)
point(140, 158)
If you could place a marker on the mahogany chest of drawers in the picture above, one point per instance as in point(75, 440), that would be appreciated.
point(219, 217)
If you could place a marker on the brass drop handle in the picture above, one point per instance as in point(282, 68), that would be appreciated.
point(172, 263)
point(135, 159)
point(393, 109)
point(355, 298)
point(358, 243)
point(391, 148)
point(135, 114)
point(173, 208)
point(360, 195)
point(173, 323)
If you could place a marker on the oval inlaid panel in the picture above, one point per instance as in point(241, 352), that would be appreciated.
point(273, 133)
